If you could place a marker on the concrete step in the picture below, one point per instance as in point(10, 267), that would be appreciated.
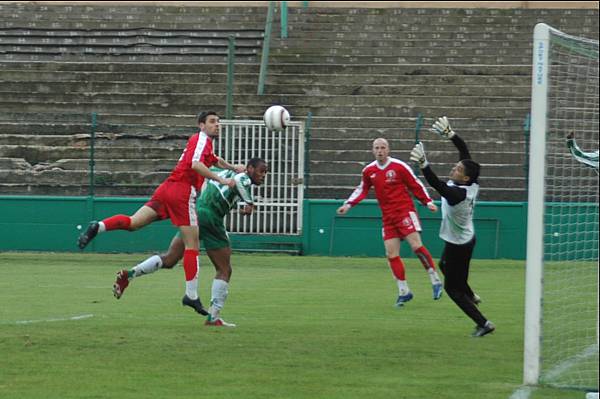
point(395, 60)
point(139, 88)
point(319, 90)
point(339, 48)
point(121, 37)
point(255, 111)
point(275, 81)
point(463, 28)
point(111, 165)
point(403, 142)
point(383, 79)
point(102, 140)
point(418, 69)
point(158, 79)
point(515, 157)
point(145, 178)
point(110, 123)
point(166, 100)
point(35, 154)
point(14, 164)
point(304, 44)
point(144, 49)
point(276, 68)
point(170, 10)
point(34, 56)
point(153, 69)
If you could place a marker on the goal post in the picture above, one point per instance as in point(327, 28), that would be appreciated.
point(561, 298)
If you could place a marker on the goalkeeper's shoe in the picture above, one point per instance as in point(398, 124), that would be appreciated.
point(437, 291)
point(121, 283)
point(489, 327)
point(91, 232)
point(219, 322)
point(194, 304)
point(476, 299)
point(402, 299)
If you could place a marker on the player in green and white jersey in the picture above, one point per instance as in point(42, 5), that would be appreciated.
point(587, 158)
point(215, 202)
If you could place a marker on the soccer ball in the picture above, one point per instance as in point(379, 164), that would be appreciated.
point(276, 118)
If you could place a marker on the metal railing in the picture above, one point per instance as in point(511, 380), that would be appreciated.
point(280, 198)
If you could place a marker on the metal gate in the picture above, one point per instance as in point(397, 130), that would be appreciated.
point(279, 200)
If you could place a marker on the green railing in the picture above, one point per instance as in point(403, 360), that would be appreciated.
point(284, 19)
point(230, 75)
point(264, 60)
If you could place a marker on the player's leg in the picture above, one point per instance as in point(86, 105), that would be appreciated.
point(218, 249)
point(221, 259)
point(455, 264)
point(392, 252)
point(191, 266)
point(144, 216)
point(180, 204)
point(414, 240)
point(149, 266)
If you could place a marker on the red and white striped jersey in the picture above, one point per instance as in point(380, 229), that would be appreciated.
point(393, 183)
point(199, 148)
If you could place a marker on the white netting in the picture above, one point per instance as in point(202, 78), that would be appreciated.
point(569, 342)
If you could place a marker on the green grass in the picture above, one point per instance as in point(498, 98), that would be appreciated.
point(308, 327)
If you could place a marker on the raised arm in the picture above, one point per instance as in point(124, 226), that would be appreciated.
point(453, 194)
point(442, 128)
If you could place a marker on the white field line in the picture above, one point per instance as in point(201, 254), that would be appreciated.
point(525, 391)
point(570, 362)
point(522, 393)
point(72, 318)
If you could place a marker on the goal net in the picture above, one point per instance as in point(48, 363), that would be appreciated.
point(561, 315)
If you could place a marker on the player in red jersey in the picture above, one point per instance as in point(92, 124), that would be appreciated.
point(175, 199)
point(394, 181)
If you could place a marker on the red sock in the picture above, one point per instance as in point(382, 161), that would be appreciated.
point(425, 258)
point(397, 268)
point(117, 222)
point(190, 263)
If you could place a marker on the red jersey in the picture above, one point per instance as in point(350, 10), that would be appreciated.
point(393, 182)
point(199, 148)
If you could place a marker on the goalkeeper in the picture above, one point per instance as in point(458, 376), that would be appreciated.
point(215, 202)
point(457, 230)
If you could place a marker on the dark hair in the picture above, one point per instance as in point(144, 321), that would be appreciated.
point(471, 169)
point(254, 162)
point(205, 114)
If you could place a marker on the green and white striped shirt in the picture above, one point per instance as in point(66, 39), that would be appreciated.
point(220, 198)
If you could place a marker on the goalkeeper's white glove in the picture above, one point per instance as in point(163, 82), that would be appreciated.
point(443, 128)
point(418, 155)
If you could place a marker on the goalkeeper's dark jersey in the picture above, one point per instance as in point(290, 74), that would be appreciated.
point(220, 199)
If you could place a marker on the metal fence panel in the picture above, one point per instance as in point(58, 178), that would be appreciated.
point(279, 199)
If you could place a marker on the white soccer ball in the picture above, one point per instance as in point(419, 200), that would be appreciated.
point(276, 118)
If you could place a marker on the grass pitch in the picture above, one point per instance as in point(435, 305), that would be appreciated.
point(308, 327)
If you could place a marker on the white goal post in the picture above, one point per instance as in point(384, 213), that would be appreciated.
point(561, 298)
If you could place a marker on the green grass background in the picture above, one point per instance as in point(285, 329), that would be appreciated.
point(308, 327)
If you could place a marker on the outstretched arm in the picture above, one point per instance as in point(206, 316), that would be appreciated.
point(357, 195)
point(442, 128)
point(453, 194)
